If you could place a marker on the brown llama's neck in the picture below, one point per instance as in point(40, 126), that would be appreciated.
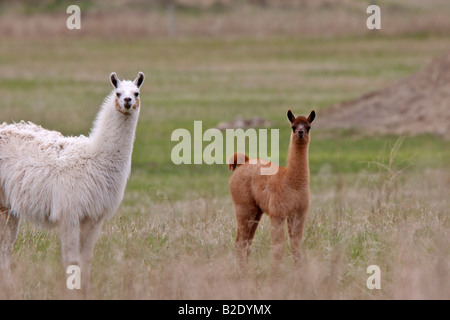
point(297, 169)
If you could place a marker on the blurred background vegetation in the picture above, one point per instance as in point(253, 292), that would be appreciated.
point(224, 18)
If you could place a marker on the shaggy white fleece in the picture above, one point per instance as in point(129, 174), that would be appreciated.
point(57, 181)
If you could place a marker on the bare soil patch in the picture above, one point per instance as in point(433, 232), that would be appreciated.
point(417, 104)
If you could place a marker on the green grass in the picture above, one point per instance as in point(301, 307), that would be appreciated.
point(176, 222)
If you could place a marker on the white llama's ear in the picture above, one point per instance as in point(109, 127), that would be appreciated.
point(139, 80)
point(114, 80)
point(312, 116)
point(290, 116)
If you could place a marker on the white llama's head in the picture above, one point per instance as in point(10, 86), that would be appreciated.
point(127, 93)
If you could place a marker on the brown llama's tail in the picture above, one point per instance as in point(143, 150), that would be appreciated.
point(237, 160)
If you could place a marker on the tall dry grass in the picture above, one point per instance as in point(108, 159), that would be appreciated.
point(159, 249)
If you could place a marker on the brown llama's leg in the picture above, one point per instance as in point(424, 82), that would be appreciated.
point(247, 221)
point(277, 237)
point(296, 225)
point(254, 224)
point(9, 225)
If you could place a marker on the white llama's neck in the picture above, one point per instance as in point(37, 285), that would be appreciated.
point(113, 132)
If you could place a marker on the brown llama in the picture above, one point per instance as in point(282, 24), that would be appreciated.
point(283, 195)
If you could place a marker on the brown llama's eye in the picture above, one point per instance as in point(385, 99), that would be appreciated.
point(118, 94)
point(293, 128)
point(308, 128)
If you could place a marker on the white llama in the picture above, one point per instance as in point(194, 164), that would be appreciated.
point(68, 183)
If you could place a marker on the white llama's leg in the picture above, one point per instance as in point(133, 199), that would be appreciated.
point(70, 244)
point(9, 225)
point(90, 230)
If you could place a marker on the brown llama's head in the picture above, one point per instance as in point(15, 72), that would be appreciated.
point(301, 126)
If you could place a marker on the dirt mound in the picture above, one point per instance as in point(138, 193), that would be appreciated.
point(417, 104)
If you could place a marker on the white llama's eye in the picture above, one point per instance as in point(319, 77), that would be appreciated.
point(136, 94)
point(118, 94)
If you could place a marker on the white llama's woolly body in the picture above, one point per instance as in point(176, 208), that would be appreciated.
point(48, 178)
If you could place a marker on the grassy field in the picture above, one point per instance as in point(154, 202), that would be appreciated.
point(174, 234)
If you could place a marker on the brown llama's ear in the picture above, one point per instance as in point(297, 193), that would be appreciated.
point(312, 116)
point(290, 116)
